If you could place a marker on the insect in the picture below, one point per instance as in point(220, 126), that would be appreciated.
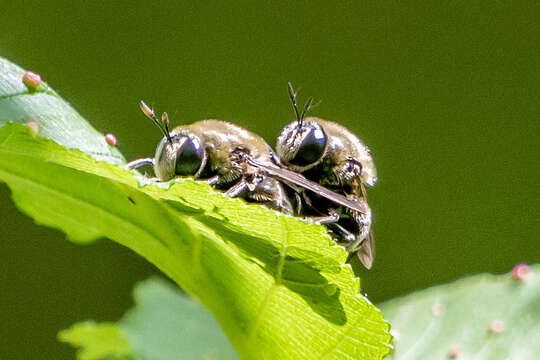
point(215, 150)
point(332, 156)
point(235, 160)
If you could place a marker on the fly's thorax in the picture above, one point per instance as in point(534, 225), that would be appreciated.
point(301, 145)
point(223, 137)
point(346, 154)
point(221, 140)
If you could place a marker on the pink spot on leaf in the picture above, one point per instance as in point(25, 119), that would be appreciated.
point(521, 272)
point(31, 80)
point(111, 139)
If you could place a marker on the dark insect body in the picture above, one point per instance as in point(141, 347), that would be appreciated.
point(242, 164)
point(331, 155)
point(215, 150)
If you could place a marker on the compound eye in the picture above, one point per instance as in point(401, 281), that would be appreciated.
point(311, 148)
point(189, 157)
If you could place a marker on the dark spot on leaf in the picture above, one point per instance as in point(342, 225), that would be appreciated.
point(131, 200)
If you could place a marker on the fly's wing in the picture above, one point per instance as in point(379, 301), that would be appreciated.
point(289, 176)
point(366, 250)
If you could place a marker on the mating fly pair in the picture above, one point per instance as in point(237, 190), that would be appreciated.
point(318, 171)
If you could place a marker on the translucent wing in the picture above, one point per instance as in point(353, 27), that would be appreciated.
point(366, 251)
point(299, 180)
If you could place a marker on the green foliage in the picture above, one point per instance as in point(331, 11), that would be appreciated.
point(279, 287)
point(58, 121)
point(97, 341)
point(428, 324)
point(163, 324)
point(457, 317)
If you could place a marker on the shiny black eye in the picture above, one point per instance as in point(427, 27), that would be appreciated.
point(311, 148)
point(189, 157)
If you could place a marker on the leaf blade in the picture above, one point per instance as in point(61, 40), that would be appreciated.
point(229, 254)
point(58, 121)
point(458, 316)
point(97, 341)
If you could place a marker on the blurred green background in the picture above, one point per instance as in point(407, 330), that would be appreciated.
point(446, 96)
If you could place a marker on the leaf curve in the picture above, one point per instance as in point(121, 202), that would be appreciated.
point(279, 287)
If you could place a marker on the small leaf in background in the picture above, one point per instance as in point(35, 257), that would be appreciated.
point(164, 324)
point(480, 317)
point(97, 341)
point(280, 288)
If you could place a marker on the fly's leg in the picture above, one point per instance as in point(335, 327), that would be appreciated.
point(331, 218)
point(237, 189)
point(249, 182)
point(297, 204)
point(137, 163)
point(214, 180)
point(343, 233)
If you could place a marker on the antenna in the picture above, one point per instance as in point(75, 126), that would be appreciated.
point(292, 95)
point(163, 125)
point(307, 106)
point(165, 120)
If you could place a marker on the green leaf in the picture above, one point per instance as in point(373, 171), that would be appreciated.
point(163, 324)
point(97, 341)
point(279, 287)
point(457, 317)
point(58, 121)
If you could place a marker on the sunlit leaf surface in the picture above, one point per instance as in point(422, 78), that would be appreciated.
point(279, 287)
